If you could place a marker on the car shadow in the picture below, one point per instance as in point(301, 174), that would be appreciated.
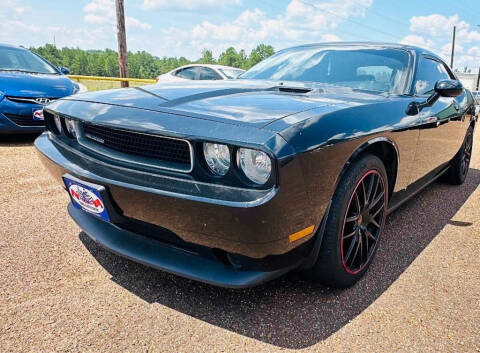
point(293, 312)
point(18, 140)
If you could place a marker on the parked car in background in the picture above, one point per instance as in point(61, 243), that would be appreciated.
point(294, 166)
point(27, 83)
point(201, 72)
point(476, 95)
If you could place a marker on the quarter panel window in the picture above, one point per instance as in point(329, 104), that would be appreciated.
point(429, 72)
point(188, 73)
point(207, 73)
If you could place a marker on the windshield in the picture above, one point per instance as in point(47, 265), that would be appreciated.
point(231, 73)
point(13, 59)
point(382, 70)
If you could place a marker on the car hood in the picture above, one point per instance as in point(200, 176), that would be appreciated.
point(20, 84)
point(251, 102)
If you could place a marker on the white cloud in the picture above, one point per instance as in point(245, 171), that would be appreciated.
point(436, 25)
point(299, 23)
point(469, 36)
point(330, 38)
point(446, 49)
point(103, 12)
point(440, 26)
point(434, 32)
point(20, 10)
point(414, 39)
point(474, 51)
point(188, 5)
point(94, 18)
point(132, 22)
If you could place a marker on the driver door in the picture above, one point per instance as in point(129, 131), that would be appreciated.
point(440, 125)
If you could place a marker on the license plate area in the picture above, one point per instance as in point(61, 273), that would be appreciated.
point(89, 197)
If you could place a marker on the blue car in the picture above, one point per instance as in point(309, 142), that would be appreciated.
point(27, 83)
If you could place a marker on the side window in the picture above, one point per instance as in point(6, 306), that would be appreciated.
point(429, 72)
point(188, 73)
point(208, 74)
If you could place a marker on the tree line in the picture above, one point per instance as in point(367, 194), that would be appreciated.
point(142, 64)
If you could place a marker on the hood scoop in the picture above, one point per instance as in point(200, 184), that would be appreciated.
point(294, 90)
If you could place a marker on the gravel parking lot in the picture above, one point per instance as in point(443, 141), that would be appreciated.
point(62, 292)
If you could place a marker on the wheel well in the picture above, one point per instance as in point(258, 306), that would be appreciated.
point(387, 152)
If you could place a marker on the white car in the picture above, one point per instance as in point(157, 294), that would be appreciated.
point(201, 72)
point(476, 95)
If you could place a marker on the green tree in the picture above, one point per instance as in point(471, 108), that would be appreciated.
point(260, 53)
point(142, 64)
point(230, 57)
point(207, 57)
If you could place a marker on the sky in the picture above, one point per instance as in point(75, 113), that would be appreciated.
point(186, 27)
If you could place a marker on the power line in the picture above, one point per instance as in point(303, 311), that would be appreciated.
point(341, 31)
point(382, 15)
point(353, 21)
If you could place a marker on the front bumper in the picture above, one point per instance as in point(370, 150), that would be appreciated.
point(244, 223)
point(168, 258)
point(9, 127)
point(24, 122)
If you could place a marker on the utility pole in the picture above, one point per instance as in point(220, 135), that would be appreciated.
point(122, 42)
point(478, 78)
point(453, 47)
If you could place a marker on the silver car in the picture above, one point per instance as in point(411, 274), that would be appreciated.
point(201, 72)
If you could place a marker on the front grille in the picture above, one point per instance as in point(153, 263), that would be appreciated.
point(153, 147)
point(24, 120)
point(32, 100)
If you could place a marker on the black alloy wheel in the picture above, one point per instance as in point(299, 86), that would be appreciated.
point(460, 164)
point(354, 224)
point(363, 222)
point(467, 154)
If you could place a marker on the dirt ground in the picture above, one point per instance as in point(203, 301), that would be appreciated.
point(62, 292)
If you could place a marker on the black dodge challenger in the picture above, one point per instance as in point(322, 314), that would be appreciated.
point(293, 166)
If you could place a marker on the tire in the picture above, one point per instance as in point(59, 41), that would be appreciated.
point(346, 233)
point(460, 164)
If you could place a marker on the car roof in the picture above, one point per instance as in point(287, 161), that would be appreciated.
point(381, 45)
point(5, 45)
point(213, 66)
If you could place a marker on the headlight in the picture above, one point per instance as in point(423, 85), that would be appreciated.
point(71, 128)
point(58, 123)
point(217, 157)
point(255, 164)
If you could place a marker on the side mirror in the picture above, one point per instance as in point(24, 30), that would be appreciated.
point(449, 88)
point(443, 88)
point(64, 70)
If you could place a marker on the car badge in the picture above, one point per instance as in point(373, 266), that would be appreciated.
point(42, 100)
point(94, 138)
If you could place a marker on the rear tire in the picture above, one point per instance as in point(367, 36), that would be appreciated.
point(460, 164)
point(354, 224)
